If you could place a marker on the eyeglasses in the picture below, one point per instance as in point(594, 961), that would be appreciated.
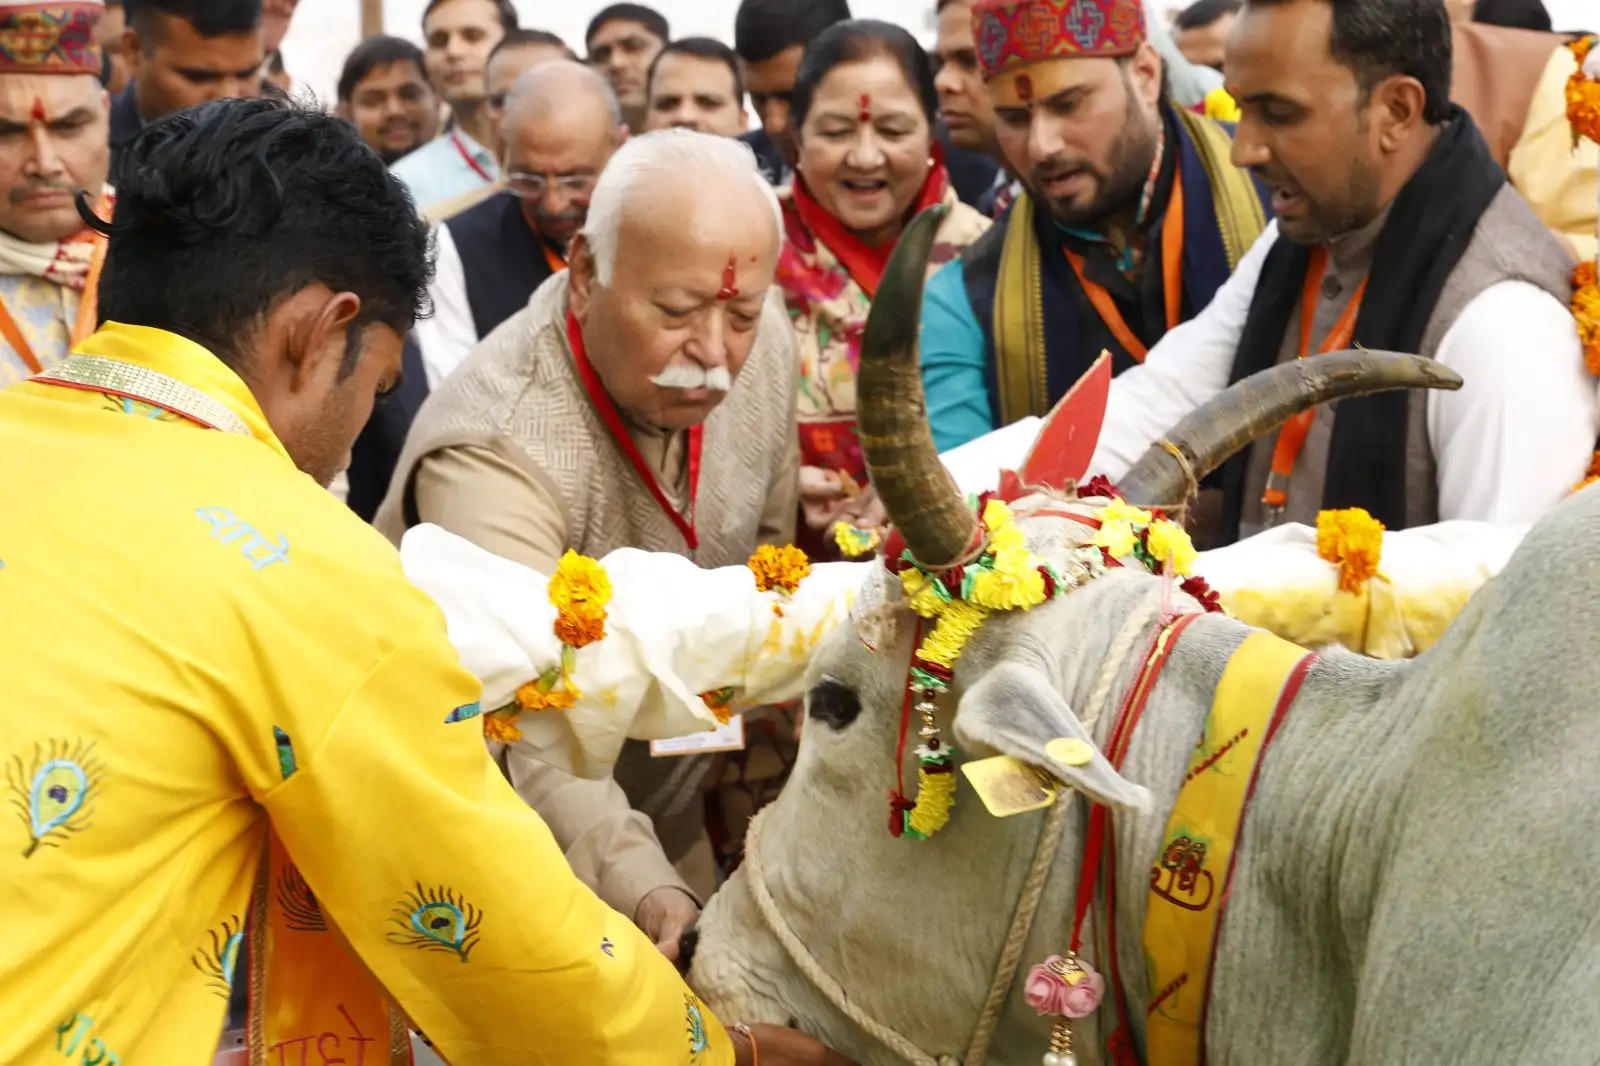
point(527, 186)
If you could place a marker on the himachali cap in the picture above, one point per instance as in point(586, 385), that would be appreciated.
point(49, 38)
point(1012, 33)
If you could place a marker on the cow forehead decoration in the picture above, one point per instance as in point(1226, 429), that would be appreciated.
point(1004, 576)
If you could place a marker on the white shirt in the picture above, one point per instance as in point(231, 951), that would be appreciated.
point(440, 170)
point(446, 337)
point(1509, 445)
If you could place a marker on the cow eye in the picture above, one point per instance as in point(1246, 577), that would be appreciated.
point(833, 702)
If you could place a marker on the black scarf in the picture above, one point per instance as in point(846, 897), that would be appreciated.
point(1429, 227)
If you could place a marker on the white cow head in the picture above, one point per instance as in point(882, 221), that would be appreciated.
point(909, 931)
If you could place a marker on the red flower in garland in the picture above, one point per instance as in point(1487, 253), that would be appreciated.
point(1200, 590)
point(1099, 485)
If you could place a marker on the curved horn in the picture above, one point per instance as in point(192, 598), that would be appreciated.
point(1212, 432)
point(918, 495)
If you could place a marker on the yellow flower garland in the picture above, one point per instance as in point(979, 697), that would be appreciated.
point(580, 591)
point(779, 568)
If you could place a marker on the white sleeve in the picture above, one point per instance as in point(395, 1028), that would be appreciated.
point(1512, 442)
point(447, 337)
point(1186, 368)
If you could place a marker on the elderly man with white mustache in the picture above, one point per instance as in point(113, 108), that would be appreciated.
point(644, 398)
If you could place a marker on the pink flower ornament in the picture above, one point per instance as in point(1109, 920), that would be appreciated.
point(1067, 989)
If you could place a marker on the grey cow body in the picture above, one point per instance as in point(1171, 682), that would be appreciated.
point(1415, 883)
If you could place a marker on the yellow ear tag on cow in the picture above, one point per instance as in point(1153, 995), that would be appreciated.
point(1009, 786)
point(1070, 752)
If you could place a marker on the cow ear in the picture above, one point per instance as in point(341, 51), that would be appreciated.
point(1015, 710)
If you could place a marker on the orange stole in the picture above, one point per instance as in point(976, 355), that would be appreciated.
point(311, 999)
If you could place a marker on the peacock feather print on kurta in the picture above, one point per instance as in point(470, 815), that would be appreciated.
point(698, 1041)
point(287, 764)
point(436, 919)
point(218, 960)
point(53, 790)
point(301, 911)
point(464, 713)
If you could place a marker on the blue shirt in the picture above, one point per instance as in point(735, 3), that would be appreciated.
point(954, 361)
point(438, 171)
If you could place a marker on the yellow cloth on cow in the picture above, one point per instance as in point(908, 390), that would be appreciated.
point(1190, 878)
point(202, 645)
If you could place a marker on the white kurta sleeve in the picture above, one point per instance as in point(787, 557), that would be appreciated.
point(1518, 435)
point(1186, 368)
point(447, 337)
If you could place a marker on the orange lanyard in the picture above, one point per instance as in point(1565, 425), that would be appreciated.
point(1171, 278)
point(1292, 437)
point(552, 258)
point(88, 313)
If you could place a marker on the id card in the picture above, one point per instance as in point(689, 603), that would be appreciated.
point(1008, 786)
point(728, 737)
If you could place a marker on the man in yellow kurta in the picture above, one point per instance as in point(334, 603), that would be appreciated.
point(226, 712)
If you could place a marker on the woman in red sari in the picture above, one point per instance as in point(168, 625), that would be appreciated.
point(863, 107)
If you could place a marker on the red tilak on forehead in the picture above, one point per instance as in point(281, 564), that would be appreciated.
point(37, 114)
point(729, 290)
point(1024, 88)
point(865, 104)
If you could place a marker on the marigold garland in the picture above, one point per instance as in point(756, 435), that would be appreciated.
point(580, 591)
point(779, 568)
point(1583, 95)
point(1353, 540)
point(1006, 576)
point(719, 701)
point(1586, 309)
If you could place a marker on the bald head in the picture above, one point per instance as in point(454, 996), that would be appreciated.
point(560, 86)
point(561, 125)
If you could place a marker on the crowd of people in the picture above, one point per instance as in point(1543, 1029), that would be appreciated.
point(563, 298)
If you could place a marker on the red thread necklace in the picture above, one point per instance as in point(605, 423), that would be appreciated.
point(683, 520)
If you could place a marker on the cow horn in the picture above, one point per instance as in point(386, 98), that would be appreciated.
point(1168, 472)
point(922, 502)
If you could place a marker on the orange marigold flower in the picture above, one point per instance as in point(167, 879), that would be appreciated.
point(779, 568)
point(579, 629)
point(1353, 540)
point(1583, 95)
point(535, 697)
point(1586, 309)
point(501, 726)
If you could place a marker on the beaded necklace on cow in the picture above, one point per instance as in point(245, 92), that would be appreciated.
point(1004, 576)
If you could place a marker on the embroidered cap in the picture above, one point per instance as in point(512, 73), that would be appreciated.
point(49, 38)
point(1011, 33)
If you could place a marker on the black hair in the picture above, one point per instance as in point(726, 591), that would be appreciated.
point(1203, 13)
point(1377, 39)
point(852, 42)
point(527, 38)
point(702, 48)
point(652, 20)
point(1517, 14)
point(372, 53)
point(210, 18)
point(763, 28)
point(503, 8)
point(227, 208)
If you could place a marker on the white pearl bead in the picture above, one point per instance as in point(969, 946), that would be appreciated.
point(1052, 1058)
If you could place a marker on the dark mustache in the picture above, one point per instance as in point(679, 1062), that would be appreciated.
point(22, 192)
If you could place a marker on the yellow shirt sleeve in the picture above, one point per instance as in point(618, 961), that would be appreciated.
point(1560, 182)
point(457, 898)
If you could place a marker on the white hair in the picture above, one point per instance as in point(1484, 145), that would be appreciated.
point(649, 161)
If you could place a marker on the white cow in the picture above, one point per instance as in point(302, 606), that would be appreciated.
point(1414, 883)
